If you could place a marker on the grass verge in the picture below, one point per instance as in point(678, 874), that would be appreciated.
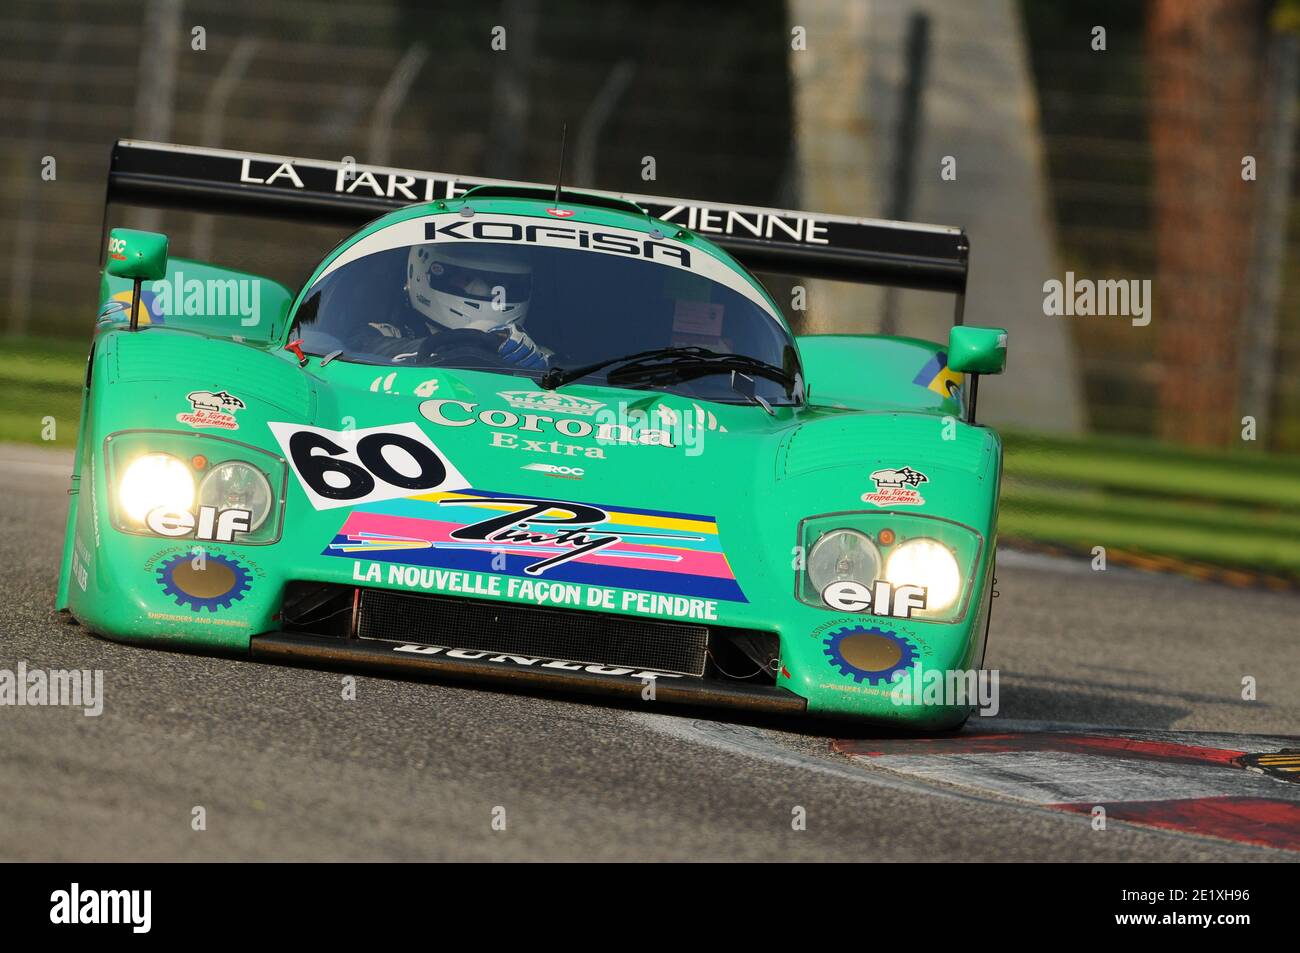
point(1239, 509)
point(40, 388)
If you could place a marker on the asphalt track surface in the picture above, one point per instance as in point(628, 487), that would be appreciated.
point(286, 769)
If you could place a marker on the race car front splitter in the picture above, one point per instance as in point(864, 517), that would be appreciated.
point(446, 662)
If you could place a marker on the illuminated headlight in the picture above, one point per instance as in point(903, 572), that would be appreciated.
point(925, 562)
point(843, 555)
point(239, 486)
point(153, 480)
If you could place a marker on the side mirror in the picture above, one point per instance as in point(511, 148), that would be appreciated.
point(135, 254)
point(977, 350)
point(140, 256)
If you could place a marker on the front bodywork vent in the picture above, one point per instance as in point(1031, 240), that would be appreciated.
point(248, 372)
point(872, 441)
point(511, 629)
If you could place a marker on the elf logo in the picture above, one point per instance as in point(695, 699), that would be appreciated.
point(880, 598)
point(211, 523)
point(77, 906)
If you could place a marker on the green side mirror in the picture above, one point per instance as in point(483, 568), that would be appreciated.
point(136, 254)
point(977, 350)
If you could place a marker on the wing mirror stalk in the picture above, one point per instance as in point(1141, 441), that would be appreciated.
point(976, 351)
point(140, 256)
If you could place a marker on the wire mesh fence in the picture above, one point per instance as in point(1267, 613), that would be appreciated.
point(314, 80)
point(1170, 157)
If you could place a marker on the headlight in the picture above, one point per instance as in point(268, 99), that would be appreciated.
point(155, 479)
point(926, 562)
point(843, 555)
point(238, 485)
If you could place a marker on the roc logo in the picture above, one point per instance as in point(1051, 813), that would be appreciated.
point(556, 470)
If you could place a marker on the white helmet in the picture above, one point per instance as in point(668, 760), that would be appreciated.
point(455, 284)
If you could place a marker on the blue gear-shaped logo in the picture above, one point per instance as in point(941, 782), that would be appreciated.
point(877, 640)
point(221, 581)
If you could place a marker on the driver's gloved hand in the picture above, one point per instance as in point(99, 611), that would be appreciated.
point(395, 348)
point(519, 349)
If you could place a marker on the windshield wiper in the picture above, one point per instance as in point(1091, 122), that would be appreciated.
point(669, 363)
point(557, 377)
point(686, 368)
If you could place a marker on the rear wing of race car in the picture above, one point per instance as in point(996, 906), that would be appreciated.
point(896, 254)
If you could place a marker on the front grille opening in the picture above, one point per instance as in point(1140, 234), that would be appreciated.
point(716, 652)
point(318, 608)
point(512, 629)
point(745, 655)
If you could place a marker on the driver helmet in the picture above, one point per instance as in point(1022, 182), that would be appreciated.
point(454, 285)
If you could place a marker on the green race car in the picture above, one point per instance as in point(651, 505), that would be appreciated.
point(535, 436)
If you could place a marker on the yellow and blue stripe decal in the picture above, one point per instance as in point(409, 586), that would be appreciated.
point(654, 550)
point(118, 307)
point(937, 376)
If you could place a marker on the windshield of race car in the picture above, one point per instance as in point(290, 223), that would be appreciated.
point(529, 309)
